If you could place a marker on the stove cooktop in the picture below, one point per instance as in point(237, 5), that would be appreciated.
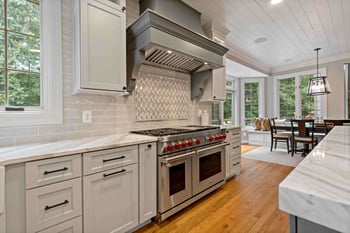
point(174, 131)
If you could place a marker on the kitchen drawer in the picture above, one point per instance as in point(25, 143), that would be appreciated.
point(236, 150)
point(235, 142)
point(53, 204)
point(48, 171)
point(107, 159)
point(236, 167)
point(71, 226)
point(235, 156)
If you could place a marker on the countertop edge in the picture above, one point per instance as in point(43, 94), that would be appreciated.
point(9, 156)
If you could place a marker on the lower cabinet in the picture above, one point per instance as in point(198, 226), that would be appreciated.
point(147, 181)
point(53, 204)
point(56, 195)
point(71, 226)
point(233, 152)
point(111, 200)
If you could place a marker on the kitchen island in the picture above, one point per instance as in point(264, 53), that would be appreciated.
point(316, 194)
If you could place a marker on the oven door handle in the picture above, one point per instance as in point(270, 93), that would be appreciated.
point(175, 158)
point(213, 147)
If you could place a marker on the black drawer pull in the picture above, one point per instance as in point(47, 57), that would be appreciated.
point(116, 158)
point(149, 145)
point(113, 173)
point(59, 204)
point(58, 170)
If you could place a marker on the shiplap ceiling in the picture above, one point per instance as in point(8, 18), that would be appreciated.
point(293, 29)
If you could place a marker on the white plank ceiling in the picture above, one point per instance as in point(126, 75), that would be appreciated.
point(292, 28)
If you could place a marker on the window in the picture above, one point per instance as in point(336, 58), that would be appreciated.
point(292, 100)
point(30, 62)
point(287, 98)
point(252, 100)
point(225, 112)
point(20, 53)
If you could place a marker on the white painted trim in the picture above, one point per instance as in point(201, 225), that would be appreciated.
point(50, 111)
point(309, 63)
point(261, 98)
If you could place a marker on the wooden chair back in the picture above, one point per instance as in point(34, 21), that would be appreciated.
point(300, 126)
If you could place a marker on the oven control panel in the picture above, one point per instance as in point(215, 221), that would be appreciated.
point(192, 142)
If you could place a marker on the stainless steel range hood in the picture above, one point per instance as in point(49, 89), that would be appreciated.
point(168, 34)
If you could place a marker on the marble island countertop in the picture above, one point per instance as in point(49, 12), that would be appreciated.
point(318, 189)
point(25, 153)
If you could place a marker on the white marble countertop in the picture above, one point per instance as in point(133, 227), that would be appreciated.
point(318, 189)
point(230, 127)
point(29, 152)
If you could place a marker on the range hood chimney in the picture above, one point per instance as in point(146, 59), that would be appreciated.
point(169, 34)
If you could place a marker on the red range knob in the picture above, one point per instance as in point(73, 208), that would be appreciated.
point(190, 143)
point(217, 137)
point(221, 136)
point(211, 139)
point(177, 146)
point(169, 147)
point(198, 141)
point(184, 144)
point(224, 136)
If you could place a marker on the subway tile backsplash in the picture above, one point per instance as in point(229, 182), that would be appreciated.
point(110, 114)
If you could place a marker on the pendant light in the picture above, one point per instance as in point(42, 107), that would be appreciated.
point(318, 85)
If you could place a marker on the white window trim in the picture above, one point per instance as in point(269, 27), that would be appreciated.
point(51, 73)
point(297, 75)
point(234, 91)
point(261, 82)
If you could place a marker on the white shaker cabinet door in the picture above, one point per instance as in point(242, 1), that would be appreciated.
point(111, 200)
point(148, 181)
point(100, 47)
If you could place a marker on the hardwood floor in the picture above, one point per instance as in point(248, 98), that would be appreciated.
point(246, 203)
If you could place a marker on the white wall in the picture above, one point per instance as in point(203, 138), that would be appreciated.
point(110, 115)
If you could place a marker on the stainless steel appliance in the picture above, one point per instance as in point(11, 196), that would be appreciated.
point(191, 164)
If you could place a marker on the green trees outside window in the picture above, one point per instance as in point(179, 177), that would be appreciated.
point(19, 53)
point(251, 102)
point(287, 98)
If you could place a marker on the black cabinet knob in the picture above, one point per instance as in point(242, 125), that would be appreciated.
point(124, 88)
point(123, 8)
point(214, 97)
point(149, 146)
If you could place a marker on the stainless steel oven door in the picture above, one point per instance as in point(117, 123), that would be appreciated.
point(174, 184)
point(208, 167)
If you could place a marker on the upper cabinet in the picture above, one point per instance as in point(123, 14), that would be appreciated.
point(215, 89)
point(99, 47)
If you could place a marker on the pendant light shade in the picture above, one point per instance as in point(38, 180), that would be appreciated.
point(318, 85)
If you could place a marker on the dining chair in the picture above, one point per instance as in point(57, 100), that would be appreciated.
point(303, 132)
point(276, 137)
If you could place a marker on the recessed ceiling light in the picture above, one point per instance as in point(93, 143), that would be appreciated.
point(275, 1)
point(205, 63)
point(260, 40)
point(169, 51)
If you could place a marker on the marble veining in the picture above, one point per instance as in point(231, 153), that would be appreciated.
point(25, 153)
point(318, 189)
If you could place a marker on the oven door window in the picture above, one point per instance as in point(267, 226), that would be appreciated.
point(209, 166)
point(177, 178)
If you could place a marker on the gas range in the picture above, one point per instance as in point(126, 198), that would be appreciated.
point(171, 140)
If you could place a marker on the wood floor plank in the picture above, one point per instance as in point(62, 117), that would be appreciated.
point(246, 203)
